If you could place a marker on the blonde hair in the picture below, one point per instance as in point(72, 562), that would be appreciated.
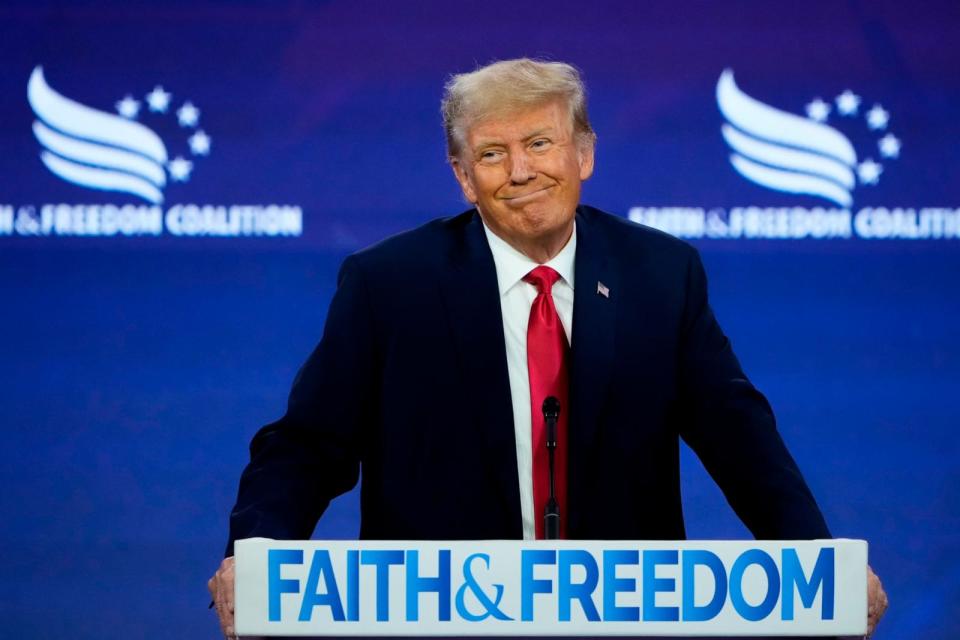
point(511, 85)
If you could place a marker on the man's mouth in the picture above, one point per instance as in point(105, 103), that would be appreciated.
point(525, 197)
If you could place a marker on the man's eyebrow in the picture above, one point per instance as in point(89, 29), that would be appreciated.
point(483, 143)
point(538, 132)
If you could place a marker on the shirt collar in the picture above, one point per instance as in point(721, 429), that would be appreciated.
point(512, 265)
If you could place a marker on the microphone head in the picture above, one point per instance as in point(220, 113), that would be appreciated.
point(551, 407)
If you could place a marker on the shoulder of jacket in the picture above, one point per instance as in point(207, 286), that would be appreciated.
point(634, 236)
point(412, 249)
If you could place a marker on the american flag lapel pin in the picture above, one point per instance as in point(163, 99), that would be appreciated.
point(603, 290)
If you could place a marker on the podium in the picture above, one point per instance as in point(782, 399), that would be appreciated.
point(551, 588)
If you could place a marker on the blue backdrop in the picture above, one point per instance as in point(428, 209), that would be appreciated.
point(152, 323)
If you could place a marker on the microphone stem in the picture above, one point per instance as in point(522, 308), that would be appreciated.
point(551, 516)
point(550, 454)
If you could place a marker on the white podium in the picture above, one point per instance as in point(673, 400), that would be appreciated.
point(551, 588)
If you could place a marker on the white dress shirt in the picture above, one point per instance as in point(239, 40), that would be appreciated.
point(516, 298)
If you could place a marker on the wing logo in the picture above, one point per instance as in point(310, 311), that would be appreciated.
point(93, 148)
point(783, 151)
point(111, 152)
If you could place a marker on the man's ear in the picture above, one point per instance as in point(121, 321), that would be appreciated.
point(585, 157)
point(466, 182)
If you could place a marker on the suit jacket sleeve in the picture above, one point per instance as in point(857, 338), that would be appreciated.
point(730, 425)
point(312, 454)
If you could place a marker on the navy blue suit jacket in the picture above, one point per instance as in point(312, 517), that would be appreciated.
point(410, 383)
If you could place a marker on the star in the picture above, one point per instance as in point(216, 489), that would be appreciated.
point(128, 107)
point(847, 103)
point(877, 117)
point(180, 169)
point(199, 143)
point(869, 171)
point(818, 110)
point(188, 115)
point(158, 99)
point(889, 146)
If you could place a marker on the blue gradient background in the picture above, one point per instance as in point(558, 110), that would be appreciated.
point(133, 371)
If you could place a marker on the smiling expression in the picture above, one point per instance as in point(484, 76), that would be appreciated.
point(523, 172)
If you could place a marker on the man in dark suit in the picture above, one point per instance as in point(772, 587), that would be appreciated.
point(442, 343)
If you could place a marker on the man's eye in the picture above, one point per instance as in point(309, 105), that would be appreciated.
point(540, 144)
point(490, 156)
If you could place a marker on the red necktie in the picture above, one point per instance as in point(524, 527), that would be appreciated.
point(547, 363)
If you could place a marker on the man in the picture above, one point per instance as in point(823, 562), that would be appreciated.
point(441, 345)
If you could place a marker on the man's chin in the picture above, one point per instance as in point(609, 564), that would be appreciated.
point(544, 225)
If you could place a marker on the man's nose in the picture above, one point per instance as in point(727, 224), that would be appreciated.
point(521, 170)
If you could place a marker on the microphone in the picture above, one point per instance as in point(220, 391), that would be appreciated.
point(551, 513)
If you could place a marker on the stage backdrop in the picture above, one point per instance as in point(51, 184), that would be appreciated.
point(179, 182)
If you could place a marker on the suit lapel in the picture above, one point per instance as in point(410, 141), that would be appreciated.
point(472, 302)
point(592, 354)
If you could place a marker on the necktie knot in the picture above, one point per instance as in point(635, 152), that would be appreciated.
point(543, 278)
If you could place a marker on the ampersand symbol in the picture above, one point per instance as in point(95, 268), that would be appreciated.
point(491, 607)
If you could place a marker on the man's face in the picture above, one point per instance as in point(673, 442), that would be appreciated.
point(523, 172)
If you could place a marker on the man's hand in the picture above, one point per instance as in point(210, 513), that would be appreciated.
point(876, 601)
point(221, 588)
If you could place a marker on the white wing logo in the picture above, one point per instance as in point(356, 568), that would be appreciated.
point(96, 149)
point(783, 151)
